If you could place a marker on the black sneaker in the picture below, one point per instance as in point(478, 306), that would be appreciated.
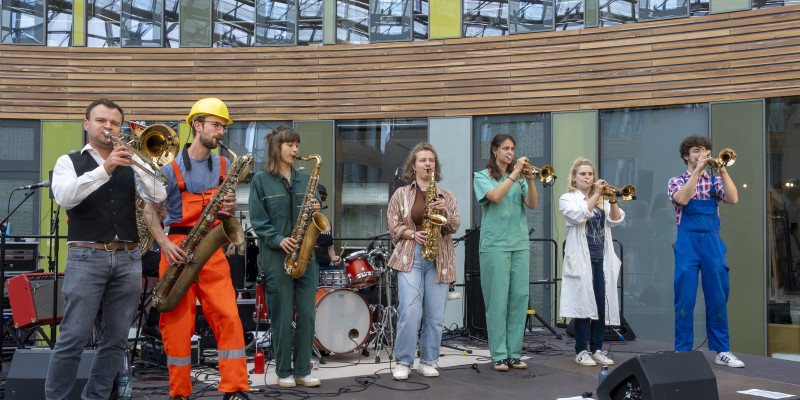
point(235, 396)
point(516, 363)
point(501, 365)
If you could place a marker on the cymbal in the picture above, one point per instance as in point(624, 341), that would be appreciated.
point(379, 235)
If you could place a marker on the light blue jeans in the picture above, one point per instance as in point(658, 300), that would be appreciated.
point(95, 278)
point(421, 301)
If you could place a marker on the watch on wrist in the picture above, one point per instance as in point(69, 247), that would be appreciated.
point(413, 235)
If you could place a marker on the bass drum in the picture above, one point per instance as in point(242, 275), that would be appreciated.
point(343, 320)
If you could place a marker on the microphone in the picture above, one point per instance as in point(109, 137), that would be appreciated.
point(36, 185)
point(621, 336)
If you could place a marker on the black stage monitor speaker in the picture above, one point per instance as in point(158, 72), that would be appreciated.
point(28, 371)
point(668, 376)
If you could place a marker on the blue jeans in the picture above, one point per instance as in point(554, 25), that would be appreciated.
point(95, 278)
point(420, 301)
point(590, 331)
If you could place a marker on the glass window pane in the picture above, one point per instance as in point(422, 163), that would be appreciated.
point(532, 134)
point(59, 23)
point(368, 154)
point(757, 4)
point(485, 18)
point(534, 15)
point(309, 22)
point(650, 10)
point(421, 16)
point(390, 20)
point(640, 147)
point(172, 23)
point(234, 23)
point(616, 12)
point(102, 23)
point(569, 14)
point(783, 220)
point(195, 23)
point(22, 22)
point(142, 23)
point(698, 8)
point(276, 22)
point(352, 21)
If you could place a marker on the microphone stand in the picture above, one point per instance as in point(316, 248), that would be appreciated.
point(3, 235)
point(54, 269)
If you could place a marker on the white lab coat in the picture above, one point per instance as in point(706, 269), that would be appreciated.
point(577, 293)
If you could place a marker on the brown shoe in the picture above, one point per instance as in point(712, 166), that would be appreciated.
point(501, 366)
point(516, 363)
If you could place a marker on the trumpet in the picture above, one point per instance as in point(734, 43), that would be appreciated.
point(628, 192)
point(547, 174)
point(155, 173)
point(726, 158)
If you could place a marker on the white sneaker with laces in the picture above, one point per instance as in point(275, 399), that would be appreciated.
point(585, 358)
point(401, 372)
point(727, 358)
point(307, 381)
point(287, 382)
point(427, 370)
point(601, 358)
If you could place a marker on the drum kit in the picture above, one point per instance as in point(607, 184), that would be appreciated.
point(344, 318)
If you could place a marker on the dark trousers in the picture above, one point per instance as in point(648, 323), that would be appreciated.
point(589, 332)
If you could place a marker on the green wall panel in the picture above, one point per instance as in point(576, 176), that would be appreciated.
point(195, 23)
point(316, 137)
point(740, 126)
point(60, 137)
point(720, 6)
point(445, 19)
point(78, 23)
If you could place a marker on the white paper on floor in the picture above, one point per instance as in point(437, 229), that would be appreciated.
point(766, 393)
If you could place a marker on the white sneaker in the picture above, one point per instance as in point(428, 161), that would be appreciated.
point(600, 357)
point(427, 370)
point(307, 381)
point(287, 382)
point(727, 358)
point(401, 372)
point(585, 358)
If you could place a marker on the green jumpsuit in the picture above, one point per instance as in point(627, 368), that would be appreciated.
point(504, 261)
point(274, 207)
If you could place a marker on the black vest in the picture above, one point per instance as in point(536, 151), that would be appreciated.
point(108, 212)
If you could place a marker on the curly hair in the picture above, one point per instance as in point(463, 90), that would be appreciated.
point(692, 141)
point(408, 167)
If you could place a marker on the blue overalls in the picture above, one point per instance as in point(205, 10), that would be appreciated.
point(700, 248)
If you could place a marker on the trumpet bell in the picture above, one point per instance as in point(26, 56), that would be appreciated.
point(726, 157)
point(547, 175)
point(628, 193)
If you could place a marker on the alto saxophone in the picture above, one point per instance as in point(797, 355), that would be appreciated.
point(432, 222)
point(203, 241)
point(309, 225)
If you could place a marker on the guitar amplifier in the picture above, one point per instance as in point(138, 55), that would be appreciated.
point(31, 299)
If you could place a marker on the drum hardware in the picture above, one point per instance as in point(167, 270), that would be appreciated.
point(383, 331)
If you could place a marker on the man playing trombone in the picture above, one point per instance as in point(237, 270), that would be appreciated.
point(699, 249)
point(98, 188)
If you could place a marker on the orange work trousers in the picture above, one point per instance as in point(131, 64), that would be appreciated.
point(217, 296)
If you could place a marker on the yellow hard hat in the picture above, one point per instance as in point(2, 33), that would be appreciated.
point(209, 106)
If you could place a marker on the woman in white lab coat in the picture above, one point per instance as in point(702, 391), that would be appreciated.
point(591, 268)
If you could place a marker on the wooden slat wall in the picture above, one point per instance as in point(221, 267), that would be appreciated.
point(731, 56)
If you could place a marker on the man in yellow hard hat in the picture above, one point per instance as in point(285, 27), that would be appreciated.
point(193, 178)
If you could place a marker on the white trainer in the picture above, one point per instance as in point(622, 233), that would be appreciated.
point(585, 358)
point(427, 370)
point(601, 358)
point(307, 381)
point(287, 382)
point(727, 358)
point(401, 372)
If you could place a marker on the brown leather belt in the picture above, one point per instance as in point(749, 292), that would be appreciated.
point(107, 246)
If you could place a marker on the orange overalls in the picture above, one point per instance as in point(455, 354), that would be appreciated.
point(218, 299)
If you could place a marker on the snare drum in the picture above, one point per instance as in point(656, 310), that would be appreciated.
point(334, 278)
point(360, 272)
point(342, 322)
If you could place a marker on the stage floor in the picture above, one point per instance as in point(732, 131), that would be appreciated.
point(551, 374)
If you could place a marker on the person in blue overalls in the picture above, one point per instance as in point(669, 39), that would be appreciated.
point(699, 249)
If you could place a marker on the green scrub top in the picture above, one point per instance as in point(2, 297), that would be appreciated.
point(504, 225)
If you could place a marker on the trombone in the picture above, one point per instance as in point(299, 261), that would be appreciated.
point(547, 174)
point(155, 173)
point(628, 192)
point(726, 158)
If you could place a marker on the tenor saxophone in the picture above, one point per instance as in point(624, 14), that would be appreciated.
point(203, 241)
point(432, 222)
point(309, 225)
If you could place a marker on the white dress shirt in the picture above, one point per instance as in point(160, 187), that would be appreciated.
point(69, 189)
